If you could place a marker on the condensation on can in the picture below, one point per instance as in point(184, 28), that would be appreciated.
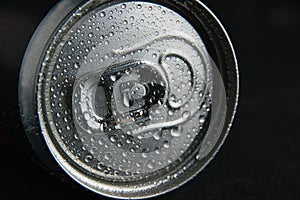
point(133, 98)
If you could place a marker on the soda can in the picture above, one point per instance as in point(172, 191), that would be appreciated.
point(131, 99)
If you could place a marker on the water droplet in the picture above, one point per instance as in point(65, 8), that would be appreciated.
point(157, 151)
point(123, 6)
point(157, 136)
point(113, 138)
point(144, 155)
point(151, 164)
point(202, 119)
point(170, 112)
point(100, 166)
point(186, 114)
point(102, 14)
point(63, 92)
point(201, 94)
point(113, 78)
point(103, 126)
point(108, 156)
point(128, 140)
point(67, 119)
point(119, 144)
point(88, 158)
point(76, 65)
point(76, 136)
point(91, 35)
point(138, 164)
point(166, 145)
point(176, 131)
point(87, 116)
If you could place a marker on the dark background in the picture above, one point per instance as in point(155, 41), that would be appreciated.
point(261, 157)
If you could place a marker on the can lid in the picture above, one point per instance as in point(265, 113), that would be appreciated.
point(130, 101)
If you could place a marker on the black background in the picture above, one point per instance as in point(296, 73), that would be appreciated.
point(261, 157)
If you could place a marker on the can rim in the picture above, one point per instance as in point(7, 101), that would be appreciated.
point(28, 75)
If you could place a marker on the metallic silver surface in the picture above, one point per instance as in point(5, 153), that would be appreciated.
point(127, 96)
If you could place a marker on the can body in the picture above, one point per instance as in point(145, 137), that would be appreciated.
point(131, 98)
